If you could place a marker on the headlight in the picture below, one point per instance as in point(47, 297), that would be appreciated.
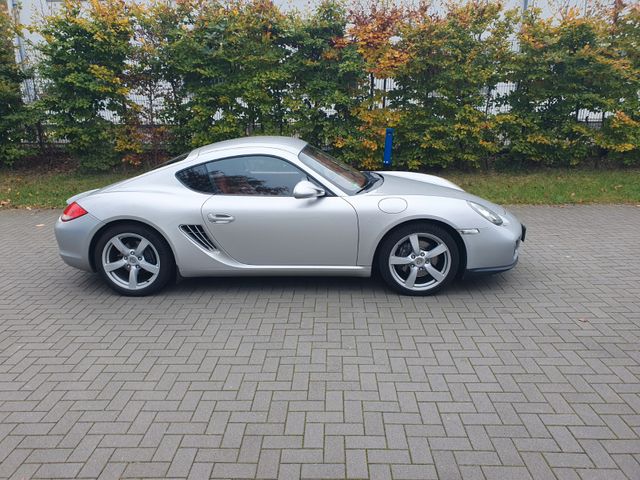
point(486, 213)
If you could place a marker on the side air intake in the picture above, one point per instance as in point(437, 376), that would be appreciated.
point(197, 235)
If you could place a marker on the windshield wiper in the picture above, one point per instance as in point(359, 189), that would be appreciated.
point(371, 179)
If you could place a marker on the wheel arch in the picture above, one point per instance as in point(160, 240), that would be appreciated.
point(462, 249)
point(122, 221)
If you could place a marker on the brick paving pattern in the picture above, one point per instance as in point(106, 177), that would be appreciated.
point(534, 373)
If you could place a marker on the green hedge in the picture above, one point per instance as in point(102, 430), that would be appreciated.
point(220, 69)
point(12, 110)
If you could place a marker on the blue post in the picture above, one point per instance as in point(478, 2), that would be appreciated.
point(388, 145)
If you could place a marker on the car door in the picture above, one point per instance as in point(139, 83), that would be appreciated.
point(255, 219)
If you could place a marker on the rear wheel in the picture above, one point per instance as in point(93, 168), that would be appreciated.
point(133, 259)
point(418, 259)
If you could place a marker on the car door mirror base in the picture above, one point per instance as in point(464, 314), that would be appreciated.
point(306, 189)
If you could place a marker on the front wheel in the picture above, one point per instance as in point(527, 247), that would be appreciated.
point(418, 259)
point(134, 260)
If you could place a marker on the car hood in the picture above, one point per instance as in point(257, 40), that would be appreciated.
point(410, 183)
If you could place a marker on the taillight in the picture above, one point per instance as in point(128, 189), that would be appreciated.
point(72, 211)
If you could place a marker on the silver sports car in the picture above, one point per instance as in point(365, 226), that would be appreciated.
point(279, 206)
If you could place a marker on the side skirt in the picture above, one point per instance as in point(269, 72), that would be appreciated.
point(284, 271)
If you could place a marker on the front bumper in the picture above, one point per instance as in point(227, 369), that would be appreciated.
point(495, 248)
point(74, 240)
point(470, 272)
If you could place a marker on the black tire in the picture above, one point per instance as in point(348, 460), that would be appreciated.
point(157, 255)
point(444, 265)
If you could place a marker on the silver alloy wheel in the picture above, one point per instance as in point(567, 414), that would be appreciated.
point(130, 261)
point(420, 261)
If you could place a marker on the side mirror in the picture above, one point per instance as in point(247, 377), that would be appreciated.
point(306, 189)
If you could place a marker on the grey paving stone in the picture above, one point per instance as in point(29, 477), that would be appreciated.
point(533, 373)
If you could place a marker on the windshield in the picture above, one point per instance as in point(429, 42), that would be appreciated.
point(346, 177)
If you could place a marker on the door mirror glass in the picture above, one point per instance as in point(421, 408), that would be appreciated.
point(306, 189)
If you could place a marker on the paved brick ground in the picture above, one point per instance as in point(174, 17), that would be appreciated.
point(531, 374)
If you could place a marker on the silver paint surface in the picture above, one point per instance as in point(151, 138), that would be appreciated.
point(329, 235)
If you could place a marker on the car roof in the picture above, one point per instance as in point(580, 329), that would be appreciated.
point(293, 145)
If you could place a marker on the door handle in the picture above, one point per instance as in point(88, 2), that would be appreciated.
point(220, 218)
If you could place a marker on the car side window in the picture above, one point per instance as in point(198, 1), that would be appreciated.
point(256, 175)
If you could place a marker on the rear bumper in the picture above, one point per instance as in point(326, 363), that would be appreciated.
point(74, 240)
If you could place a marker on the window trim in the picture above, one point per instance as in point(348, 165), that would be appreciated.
point(328, 191)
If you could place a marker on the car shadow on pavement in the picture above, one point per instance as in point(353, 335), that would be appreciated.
point(326, 285)
point(279, 285)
